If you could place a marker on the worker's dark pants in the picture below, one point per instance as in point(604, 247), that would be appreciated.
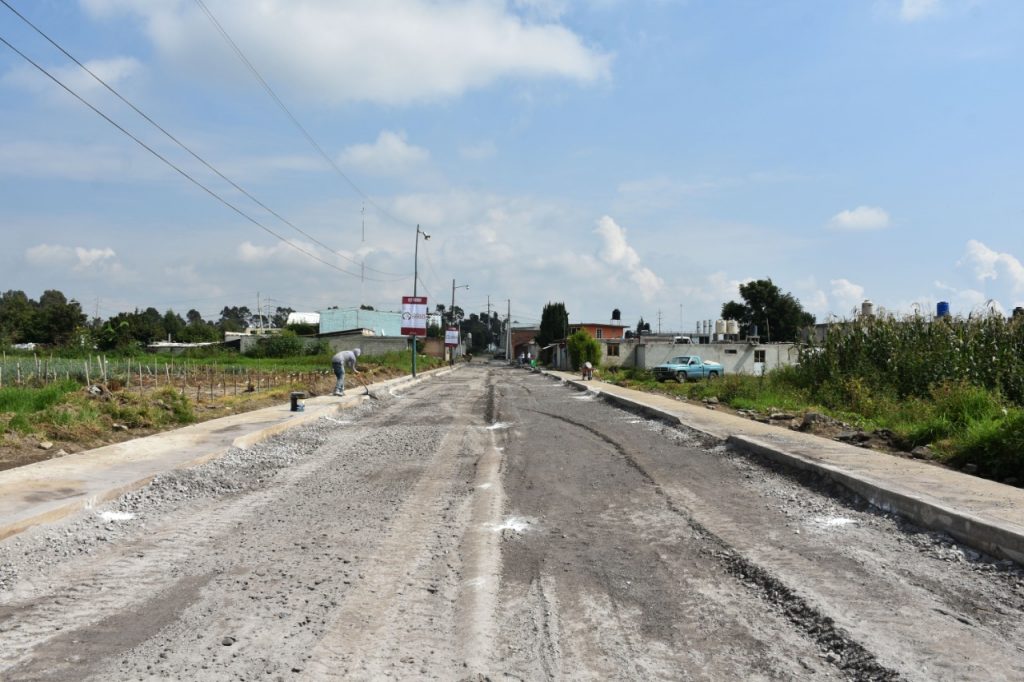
point(339, 371)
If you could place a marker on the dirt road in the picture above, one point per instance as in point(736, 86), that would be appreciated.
point(495, 524)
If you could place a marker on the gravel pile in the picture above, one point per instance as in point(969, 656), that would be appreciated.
point(32, 554)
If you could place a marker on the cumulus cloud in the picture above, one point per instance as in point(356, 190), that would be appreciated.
point(392, 52)
point(860, 218)
point(988, 264)
point(617, 252)
point(846, 294)
point(390, 155)
point(78, 258)
point(916, 10)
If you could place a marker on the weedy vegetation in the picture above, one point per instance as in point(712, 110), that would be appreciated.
point(955, 385)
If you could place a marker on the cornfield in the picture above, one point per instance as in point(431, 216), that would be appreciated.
point(909, 357)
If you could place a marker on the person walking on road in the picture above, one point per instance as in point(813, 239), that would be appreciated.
point(339, 362)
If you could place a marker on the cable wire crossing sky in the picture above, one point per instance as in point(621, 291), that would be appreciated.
point(649, 155)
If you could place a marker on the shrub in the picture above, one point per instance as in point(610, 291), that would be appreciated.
point(995, 446)
point(284, 345)
point(583, 348)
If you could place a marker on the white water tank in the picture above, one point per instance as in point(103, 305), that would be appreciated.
point(867, 309)
point(719, 327)
point(732, 327)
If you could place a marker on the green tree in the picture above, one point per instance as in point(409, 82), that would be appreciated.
point(173, 325)
point(642, 327)
point(16, 313)
point(199, 330)
point(57, 320)
point(554, 324)
point(778, 316)
point(234, 318)
point(280, 317)
point(583, 348)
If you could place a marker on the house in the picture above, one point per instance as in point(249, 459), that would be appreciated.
point(600, 330)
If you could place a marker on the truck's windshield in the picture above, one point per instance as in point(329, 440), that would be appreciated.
point(680, 360)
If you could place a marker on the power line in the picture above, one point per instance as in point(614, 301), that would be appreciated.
point(185, 147)
point(170, 163)
point(295, 121)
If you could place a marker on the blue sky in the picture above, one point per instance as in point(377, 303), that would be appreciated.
point(646, 155)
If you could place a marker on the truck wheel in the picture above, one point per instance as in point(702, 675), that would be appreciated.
point(712, 376)
point(681, 377)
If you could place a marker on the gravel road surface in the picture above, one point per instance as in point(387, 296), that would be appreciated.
point(494, 524)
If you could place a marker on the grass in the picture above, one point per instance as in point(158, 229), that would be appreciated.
point(960, 422)
point(65, 411)
point(21, 400)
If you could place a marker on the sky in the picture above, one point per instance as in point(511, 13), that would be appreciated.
point(642, 155)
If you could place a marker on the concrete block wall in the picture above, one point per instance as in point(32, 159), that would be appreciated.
point(736, 358)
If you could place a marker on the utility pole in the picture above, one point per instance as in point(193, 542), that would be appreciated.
point(659, 321)
point(451, 313)
point(415, 278)
point(259, 311)
point(508, 341)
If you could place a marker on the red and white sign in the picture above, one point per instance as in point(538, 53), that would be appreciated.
point(451, 337)
point(414, 315)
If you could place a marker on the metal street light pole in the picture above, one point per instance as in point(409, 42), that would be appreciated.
point(415, 278)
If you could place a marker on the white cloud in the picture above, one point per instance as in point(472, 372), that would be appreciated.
point(77, 258)
point(617, 252)
point(860, 218)
point(916, 10)
point(115, 71)
point(988, 264)
point(846, 294)
point(392, 52)
point(390, 155)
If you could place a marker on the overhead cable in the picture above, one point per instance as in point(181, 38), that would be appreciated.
point(186, 148)
point(183, 173)
point(295, 121)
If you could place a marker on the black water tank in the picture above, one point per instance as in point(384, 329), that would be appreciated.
point(616, 315)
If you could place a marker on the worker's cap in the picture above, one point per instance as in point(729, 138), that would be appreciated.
point(357, 351)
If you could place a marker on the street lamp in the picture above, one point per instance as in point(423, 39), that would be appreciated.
point(415, 279)
point(452, 314)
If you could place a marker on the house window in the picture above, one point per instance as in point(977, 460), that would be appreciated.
point(758, 356)
point(598, 333)
point(613, 350)
point(731, 351)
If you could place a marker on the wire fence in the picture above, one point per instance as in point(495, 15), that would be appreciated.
point(195, 379)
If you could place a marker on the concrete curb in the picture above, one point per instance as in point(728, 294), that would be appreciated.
point(992, 537)
point(80, 504)
point(988, 536)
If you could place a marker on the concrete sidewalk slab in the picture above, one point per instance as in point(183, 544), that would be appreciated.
point(53, 489)
point(983, 514)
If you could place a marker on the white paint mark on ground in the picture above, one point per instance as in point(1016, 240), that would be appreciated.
point(116, 516)
point(338, 421)
point(586, 396)
point(832, 521)
point(498, 425)
point(516, 524)
point(484, 486)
